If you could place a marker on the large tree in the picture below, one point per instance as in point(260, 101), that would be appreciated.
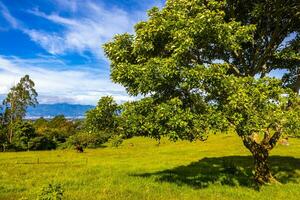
point(204, 65)
point(15, 104)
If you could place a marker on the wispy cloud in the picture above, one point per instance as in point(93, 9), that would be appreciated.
point(74, 86)
point(52, 43)
point(9, 18)
point(67, 4)
point(86, 33)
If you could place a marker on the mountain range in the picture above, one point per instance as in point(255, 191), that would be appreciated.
point(51, 110)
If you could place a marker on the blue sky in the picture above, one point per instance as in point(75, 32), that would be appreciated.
point(58, 43)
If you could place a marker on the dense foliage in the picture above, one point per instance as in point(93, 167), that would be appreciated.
point(97, 128)
point(204, 66)
point(103, 116)
point(100, 124)
point(54, 132)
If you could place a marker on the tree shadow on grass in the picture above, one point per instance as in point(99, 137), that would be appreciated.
point(230, 170)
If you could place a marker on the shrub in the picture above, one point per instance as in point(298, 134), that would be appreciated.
point(41, 143)
point(86, 139)
point(24, 131)
point(51, 192)
point(116, 141)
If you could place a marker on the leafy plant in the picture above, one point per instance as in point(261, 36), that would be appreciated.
point(23, 133)
point(116, 141)
point(51, 192)
point(102, 121)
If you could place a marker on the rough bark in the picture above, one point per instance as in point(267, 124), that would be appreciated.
point(260, 152)
point(261, 165)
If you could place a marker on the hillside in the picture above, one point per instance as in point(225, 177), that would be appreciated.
point(219, 168)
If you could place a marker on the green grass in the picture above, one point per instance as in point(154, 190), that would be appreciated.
point(219, 168)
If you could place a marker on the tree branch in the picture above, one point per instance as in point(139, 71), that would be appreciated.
point(274, 139)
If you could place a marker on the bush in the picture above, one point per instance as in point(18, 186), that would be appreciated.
point(24, 131)
point(41, 143)
point(116, 141)
point(86, 139)
point(51, 192)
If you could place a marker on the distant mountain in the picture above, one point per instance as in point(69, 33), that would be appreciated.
point(51, 110)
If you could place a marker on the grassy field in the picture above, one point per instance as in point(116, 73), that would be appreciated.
point(219, 168)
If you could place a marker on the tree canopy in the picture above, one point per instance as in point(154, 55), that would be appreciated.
point(20, 97)
point(204, 66)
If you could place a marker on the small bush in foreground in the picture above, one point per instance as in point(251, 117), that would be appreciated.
point(51, 192)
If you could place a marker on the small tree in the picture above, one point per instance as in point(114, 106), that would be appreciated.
point(102, 120)
point(24, 132)
point(18, 99)
point(203, 65)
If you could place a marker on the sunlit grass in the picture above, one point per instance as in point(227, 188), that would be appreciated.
point(219, 168)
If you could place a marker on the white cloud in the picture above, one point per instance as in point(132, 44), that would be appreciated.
point(92, 26)
point(73, 86)
point(83, 33)
point(53, 43)
point(87, 29)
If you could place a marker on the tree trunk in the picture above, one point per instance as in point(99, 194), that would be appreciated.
point(10, 135)
point(260, 152)
point(261, 164)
